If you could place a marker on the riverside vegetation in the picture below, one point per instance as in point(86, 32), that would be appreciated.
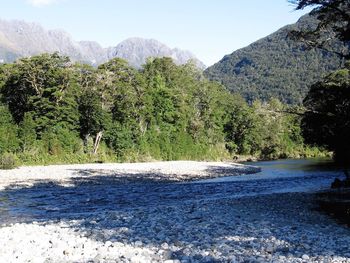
point(57, 111)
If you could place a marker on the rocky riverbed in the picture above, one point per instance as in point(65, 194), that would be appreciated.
point(105, 219)
point(176, 171)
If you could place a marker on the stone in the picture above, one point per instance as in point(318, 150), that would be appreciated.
point(167, 254)
point(138, 244)
point(165, 246)
point(270, 249)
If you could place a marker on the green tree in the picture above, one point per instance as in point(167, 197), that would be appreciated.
point(8, 132)
point(27, 133)
point(333, 17)
point(240, 130)
point(326, 121)
point(93, 118)
point(43, 85)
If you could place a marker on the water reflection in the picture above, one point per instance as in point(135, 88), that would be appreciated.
point(323, 170)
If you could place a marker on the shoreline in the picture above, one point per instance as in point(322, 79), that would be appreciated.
point(171, 171)
point(119, 213)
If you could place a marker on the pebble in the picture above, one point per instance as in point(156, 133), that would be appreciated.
point(261, 228)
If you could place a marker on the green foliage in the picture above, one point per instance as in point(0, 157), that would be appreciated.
point(8, 161)
point(93, 118)
point(276, 66)
point(59, 141)
point(327, 118)
point(42, 85)
point(8, 132)
point(333, 16)
point(27, 132)
point(119, 138)
point(58, 112)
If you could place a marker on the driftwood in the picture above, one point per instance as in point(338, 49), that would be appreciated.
point(97, 141)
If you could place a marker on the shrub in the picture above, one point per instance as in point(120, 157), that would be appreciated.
point(8, 161)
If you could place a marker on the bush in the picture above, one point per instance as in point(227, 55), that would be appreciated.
point(8, 161)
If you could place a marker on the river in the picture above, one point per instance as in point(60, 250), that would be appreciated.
point(47, 201)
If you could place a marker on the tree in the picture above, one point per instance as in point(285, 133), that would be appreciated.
point(8, 131)
point(93, 118)
point(26, 132)
point(326, 121)
point(43, 85)
point(334, 23)
point(241, 129)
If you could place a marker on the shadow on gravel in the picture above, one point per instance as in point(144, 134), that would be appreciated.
point(203, 217)
point(232, 170)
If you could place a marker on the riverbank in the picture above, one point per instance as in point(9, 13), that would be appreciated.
point(268, 228)
point(172, 171)
point(149, 213)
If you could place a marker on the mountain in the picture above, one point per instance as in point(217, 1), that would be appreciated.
point(137, 50)
point(275, 66)
point(22, 39)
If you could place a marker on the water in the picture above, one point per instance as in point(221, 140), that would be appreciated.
point(48, 201)
point(289, 168)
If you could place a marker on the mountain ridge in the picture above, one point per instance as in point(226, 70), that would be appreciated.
point(19, 38)
point(275, 66)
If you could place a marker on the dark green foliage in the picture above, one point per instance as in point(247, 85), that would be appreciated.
point(27, 132)
point(240, 130)
point(8, 132)
point(327, 118)
point(58, 112)
point(43, 86)
point(333, 16)
point(93, 117)
point(276, 66)
point(267, 131)
point(120, 138)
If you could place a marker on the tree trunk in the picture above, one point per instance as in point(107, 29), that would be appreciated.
point(97, 141)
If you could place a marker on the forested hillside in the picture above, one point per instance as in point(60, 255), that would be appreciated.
point(276, 66)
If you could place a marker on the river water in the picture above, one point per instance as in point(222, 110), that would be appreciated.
point(48, 201)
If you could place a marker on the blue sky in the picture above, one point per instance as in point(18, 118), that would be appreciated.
point(208, 28)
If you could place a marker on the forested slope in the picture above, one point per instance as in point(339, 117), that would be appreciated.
point(276, 66)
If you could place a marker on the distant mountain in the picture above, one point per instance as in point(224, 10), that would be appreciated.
point(22, 39)
point(137, 50)
point(275, 66)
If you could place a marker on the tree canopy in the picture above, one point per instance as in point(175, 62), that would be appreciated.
point(333, 23)
point(56, 111)
point(326, 119)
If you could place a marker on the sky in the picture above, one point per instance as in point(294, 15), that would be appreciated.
point(208, 28)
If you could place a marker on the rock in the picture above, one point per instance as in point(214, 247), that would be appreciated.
point(167, 254)
point(165, 246)
point(108, 244)
point(270, 249)
point(305, 257)
point(138, 244)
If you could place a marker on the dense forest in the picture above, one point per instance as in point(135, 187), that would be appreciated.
point(54, 111)
point(277, 66)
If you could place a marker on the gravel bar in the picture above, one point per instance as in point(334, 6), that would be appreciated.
point(100, 217)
